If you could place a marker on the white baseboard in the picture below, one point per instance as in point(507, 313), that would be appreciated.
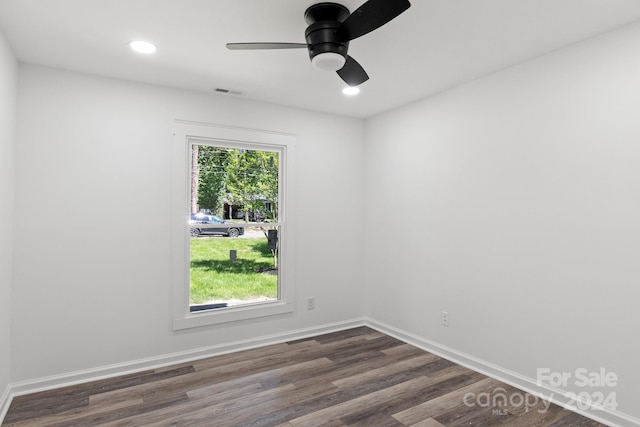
point(5, 402)
point(103, 372)
point(526, 384)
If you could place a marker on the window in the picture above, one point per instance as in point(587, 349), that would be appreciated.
point(234, 194)
point(232, 243)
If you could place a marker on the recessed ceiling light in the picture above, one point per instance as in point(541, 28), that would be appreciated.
point(351, 90)
point(142, 46)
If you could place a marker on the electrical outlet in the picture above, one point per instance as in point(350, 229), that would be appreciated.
point(311, 303)
point(445, 318)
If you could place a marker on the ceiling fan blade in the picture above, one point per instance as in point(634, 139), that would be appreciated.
point(371, 15)
point(352, 73)
point(258, 46)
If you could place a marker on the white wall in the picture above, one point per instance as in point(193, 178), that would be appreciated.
point(8, 88)
point(92, 255)
point(513, 203)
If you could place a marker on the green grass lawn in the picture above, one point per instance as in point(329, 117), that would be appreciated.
point(215, 277)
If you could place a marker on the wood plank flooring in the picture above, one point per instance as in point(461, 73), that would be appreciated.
point(357, 377)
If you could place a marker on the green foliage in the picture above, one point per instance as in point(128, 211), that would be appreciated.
point(268, 185)
point(212, 177)
point(247, 178)
point(252, 179)
point(215, 278)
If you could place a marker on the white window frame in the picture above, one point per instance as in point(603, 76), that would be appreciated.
point(185, 133)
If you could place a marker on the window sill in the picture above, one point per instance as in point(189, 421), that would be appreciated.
point(231, 314)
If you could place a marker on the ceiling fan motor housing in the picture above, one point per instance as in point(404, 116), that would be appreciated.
point(321, 35)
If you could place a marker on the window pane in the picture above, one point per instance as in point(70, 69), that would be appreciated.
point(234, 250)
point(233, 271)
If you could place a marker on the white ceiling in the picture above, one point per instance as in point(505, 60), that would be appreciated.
point(435, 45)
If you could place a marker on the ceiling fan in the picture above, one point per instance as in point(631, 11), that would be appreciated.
point(331, 28)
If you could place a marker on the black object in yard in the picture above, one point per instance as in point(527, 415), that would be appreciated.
point(272, 239)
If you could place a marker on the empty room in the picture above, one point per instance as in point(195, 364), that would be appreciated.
point(298, 213)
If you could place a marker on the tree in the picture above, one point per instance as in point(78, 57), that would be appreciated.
point(212, 165)
point(243, 179)
point(269, 182)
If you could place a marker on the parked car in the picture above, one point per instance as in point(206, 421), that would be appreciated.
point(232, 230)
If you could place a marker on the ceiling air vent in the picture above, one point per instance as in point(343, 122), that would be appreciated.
point(228, 91)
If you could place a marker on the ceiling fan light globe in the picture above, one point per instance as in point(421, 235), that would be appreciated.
point(328, 61)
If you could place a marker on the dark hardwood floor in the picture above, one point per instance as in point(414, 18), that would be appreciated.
point(357, 377)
